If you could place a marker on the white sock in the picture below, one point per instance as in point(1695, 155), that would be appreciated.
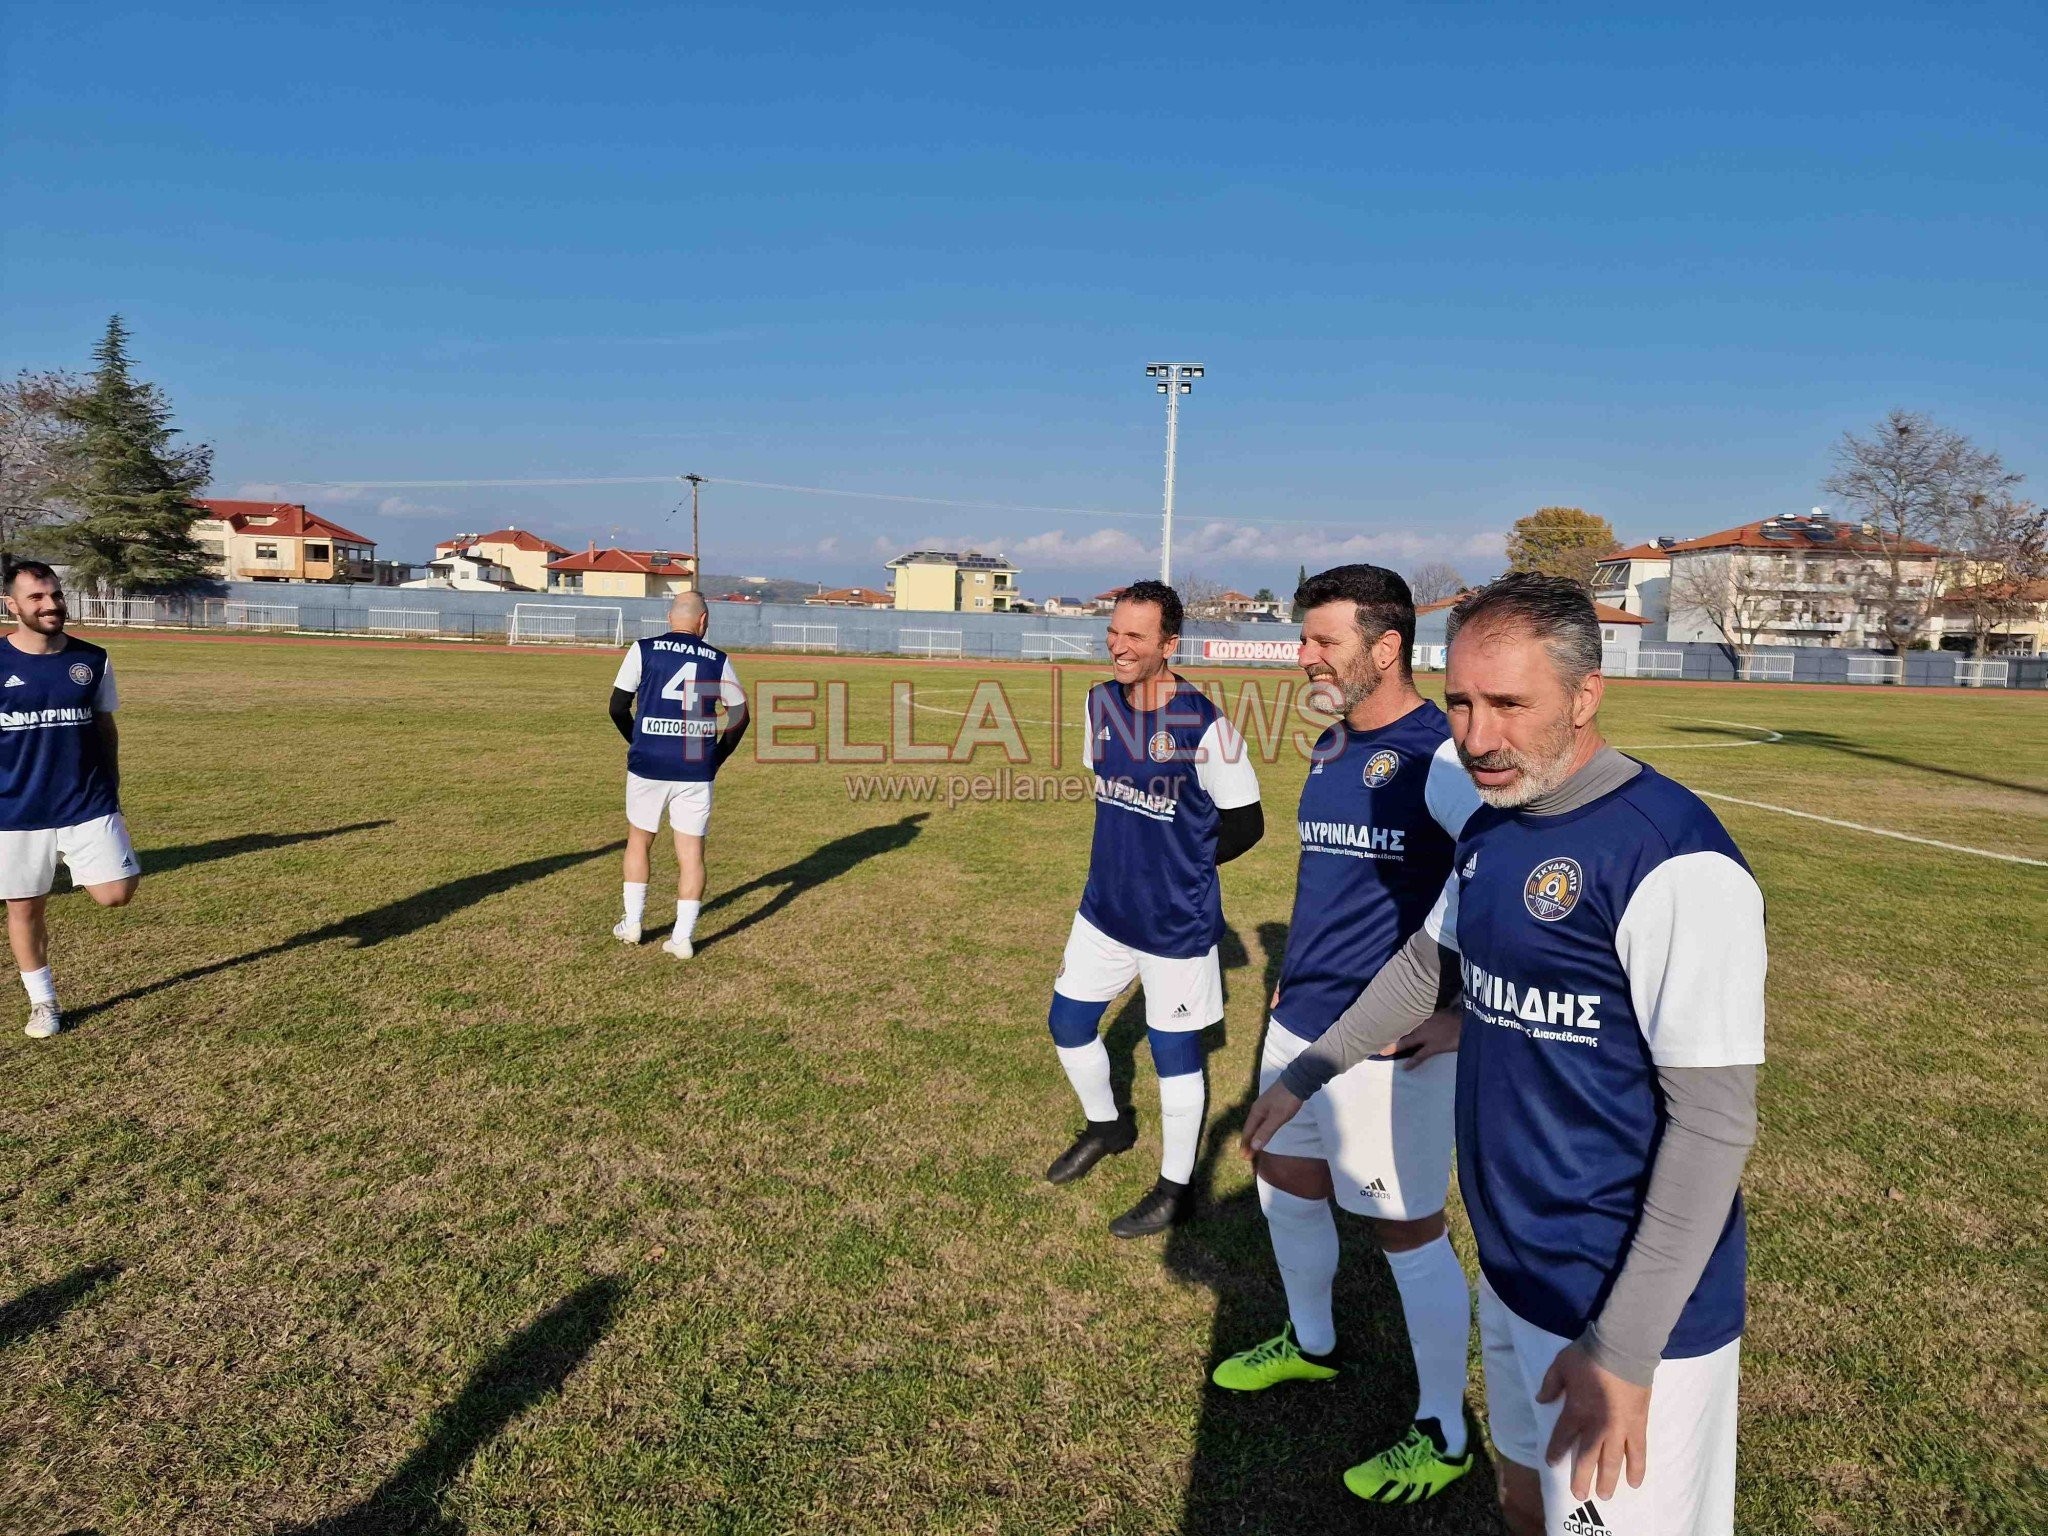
point(636, 902)
point(1304, 1237)
point(1181, 1101)
point(686, 918)
point(1087, 1068)
point(42, 986)
point(1438, 1305)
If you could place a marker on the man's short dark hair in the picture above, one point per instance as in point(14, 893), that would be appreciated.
point(1555, 609)
point(1161, 595)
point(12, 568)
point(1380, 601)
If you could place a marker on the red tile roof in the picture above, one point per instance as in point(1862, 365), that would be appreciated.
point(518, 538)
point(640, 561)
point(1798, 532)
point(289, 520)
point(863, 596)
point(1639, 552)
point(1601, 611)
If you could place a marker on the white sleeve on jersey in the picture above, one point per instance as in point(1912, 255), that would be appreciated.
point(107, 698)
point(1449, 792)
point(1223, 767)
point(629, 671)
point(1442, 922)
point(730, 693)
point(1692, 943)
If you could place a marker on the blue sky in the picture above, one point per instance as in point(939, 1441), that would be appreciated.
point(1445, 263)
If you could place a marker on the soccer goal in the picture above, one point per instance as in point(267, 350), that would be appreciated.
point(109, 611)
point(1767, 667)
point(1659, 663)
point(1976, 673)
point(404, 621)
point(1873, 669)
point(259, 615)
point(805, 637)
point(1058, 647)
point(928, 642)
point(1615, 660)
point(565, 624)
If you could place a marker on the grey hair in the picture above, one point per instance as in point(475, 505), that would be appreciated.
point(1554, 609)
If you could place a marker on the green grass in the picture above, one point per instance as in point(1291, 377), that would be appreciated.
point(378, 1189)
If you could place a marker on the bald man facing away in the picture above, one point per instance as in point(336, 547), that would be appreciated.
point(665, 702)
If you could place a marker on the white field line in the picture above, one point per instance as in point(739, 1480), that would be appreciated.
point(1857, 826)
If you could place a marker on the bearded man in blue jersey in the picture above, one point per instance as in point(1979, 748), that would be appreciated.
point(1175, 796)
point(1609, 942)
point(60, 778)
point(665, 702)
point(1381, 808)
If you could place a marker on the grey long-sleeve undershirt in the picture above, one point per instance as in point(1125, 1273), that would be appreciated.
point(1710, 1125)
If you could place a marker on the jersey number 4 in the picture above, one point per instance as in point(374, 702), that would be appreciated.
point(683, 686)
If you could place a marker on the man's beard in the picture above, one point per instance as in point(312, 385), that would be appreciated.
point(1540, 773)
point(48, 623)
point(1351, 691)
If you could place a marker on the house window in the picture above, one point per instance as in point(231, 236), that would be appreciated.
point(266, 551)
point(1607, 634)
point(317, 552)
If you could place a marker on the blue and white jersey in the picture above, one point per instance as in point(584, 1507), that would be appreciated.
point(1161, 776)
point(678, 682)
point(1597, 946)
point(53, 771)
point(1380, 813)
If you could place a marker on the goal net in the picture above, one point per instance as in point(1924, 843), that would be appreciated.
point(1049, 647)
point(565, 624)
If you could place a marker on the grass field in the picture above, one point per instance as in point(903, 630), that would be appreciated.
point(378, 1189)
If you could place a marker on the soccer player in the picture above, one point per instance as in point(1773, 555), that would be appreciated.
point(665, 702)
point(1381, 808)
point(1175, 796)
point(60, 778)
point(1611, 949)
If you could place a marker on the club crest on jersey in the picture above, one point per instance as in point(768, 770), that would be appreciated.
point(1552, 889)
point(81, 674)
point(1380, 767)
point(1160, 747)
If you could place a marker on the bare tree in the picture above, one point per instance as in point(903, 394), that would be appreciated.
point(1730, 594)
point(36, 435)
point(1999, 566)
point(1435, 579)
point(1201, 598)
point(1909, 483)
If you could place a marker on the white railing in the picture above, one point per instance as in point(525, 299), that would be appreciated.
point(1652, 662)
point(259, 615)
point(1054, 647)
point(1874, 669)
point(928, 642)
point(1615, 660)
point(115, 610)
point(403, 621)
point(1975, 673)
point(565, 624)
point(1766, 667)
point(806, 637)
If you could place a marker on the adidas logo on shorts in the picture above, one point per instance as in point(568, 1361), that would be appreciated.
point(1586, 1521)
point(1376, 1190)
point(1181, 1012)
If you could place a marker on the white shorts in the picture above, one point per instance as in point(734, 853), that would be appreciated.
point(1689, 1483)
point(96, 852)
point(688, 802)
point(1385, 1129)
point(1180, 994)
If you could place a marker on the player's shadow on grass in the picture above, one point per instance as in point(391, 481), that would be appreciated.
point(1826, 741)
point(39, 1308)
point(818, 867)
point(393, 920)
point(1272, 1463)
point(161, 861)
point(528, 1367)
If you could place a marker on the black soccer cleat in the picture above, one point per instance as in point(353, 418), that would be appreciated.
point(1098, 1139)
point(1167, 1204)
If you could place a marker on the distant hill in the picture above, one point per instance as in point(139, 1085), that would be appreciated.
point(775, 589)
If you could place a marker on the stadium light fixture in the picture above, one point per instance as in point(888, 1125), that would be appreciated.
point(1174, 380)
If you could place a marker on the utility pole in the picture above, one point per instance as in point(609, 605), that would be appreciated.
point(1172, 380)
point(696, 559)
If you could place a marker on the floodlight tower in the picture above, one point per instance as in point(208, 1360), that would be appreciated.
point(1172, 380)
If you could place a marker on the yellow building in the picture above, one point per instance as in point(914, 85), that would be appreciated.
point(525, 555)
point(941, 581)
point(623, 573)
point(280, 541)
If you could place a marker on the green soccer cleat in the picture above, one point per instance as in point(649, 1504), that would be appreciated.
point(1267, 1365)
point(1412, 1469)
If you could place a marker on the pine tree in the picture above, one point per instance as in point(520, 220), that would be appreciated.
point(130, 488)
point(1300, 581)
